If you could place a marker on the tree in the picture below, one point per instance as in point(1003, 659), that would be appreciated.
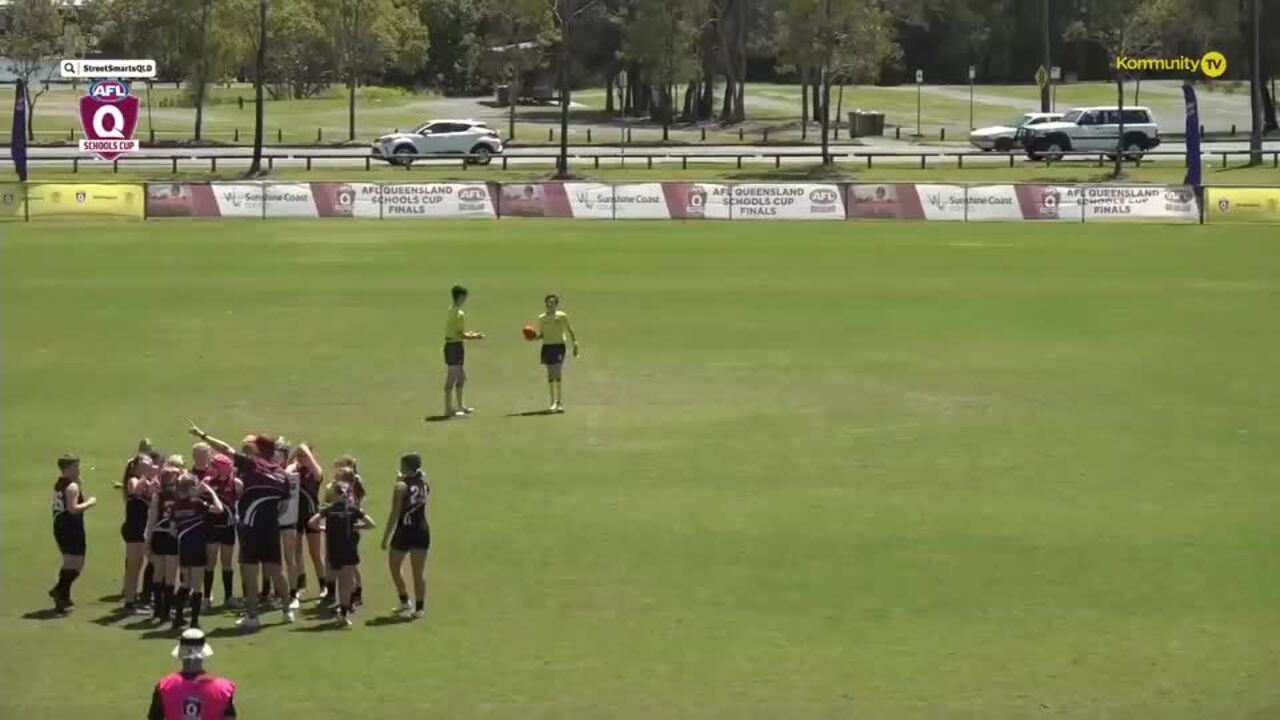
point(519, 31)
point(303, 56)
point(798, 22)
point(32, 45)
point(372, 36)
point(853, 39)
point(259, 79)
point(455, 28)
point(664, 34)
point(1122, 28)
point(565, 12)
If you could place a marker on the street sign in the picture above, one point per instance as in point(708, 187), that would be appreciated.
point(919, 76)
point(973, 72)
point(1055, 73)
point(1042, 76)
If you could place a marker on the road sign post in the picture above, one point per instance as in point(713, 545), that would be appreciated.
point(972, 74)
point(1055, 76)
point(919, 85)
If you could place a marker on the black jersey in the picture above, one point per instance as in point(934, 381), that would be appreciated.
point(413, 512)
point(62, 515)
point(135, 508)
point(189, 519)
point(165, 500)
point(265, 487)
point(340, 519)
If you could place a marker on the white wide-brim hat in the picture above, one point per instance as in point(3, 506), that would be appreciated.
point(192, 646)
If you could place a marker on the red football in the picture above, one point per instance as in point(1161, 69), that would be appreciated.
point(530, 333)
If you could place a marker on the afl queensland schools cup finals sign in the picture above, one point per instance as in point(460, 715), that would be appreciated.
point(109, 117)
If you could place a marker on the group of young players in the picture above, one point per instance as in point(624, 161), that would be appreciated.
point(181, 521)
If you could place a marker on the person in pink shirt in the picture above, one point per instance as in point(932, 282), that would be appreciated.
point(191, 693)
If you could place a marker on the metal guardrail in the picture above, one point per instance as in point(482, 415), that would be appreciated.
point(467, 161)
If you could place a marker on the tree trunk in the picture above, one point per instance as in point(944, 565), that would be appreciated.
point(562, 162)
point(1269, 110)
point(1255, 85)
point(839, 104)
point(726, 105)
point(740, 112)
point(608, 94)
point(202, 72)
point(513, 96)
point(259, 73)
point(1137, 90)
point(31, 112)
point(1045, 58)
point(826, 116)
point(1119, 163)
point(804, 101)
point(815, 88)
point(689, 110)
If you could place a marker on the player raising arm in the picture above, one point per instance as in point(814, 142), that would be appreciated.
point(455, 354)
point(554, 329)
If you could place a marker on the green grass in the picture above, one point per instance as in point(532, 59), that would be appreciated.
point(876, 470)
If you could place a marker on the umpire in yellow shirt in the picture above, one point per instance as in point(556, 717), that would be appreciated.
point(455, 354)
point(553, 328)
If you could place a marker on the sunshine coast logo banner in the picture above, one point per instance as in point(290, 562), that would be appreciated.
point(1213, 64)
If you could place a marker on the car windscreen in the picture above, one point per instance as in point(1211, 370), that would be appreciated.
point(1073, 116)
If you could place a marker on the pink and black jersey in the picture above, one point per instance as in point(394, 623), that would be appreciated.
point(62, 515)
point(193, 697)
point(189, 519)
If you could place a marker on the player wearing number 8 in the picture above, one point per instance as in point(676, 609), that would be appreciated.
point(553, 328)
point(69, 505)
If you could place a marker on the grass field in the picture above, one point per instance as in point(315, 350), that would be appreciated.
point(856, 470)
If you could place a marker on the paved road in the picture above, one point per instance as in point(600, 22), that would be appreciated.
point(528, 156)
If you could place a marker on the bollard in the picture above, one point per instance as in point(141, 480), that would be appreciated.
point(650, 163)
point(704, 134)
point(152, 133)
point(71, 135)
point(115, 167)
point(308, 163)
point(1224, 160)
point(271, 163)
point(628, 135)
point(868, 162)
point(960, 161)
point(75, 165)
point(240, 100)
point(504, 162)
point(319, 135)
point(595, 162)
point(777, 161)
point(739, 134)
point(739, 162)
point(174, 160)
point(684, 162)
point(367, 165)
point(588, 136)
point(897, 133)
point(551, 134)
point(213, 163)
point(922, 161)
point(1010, 159)
point(766, 136)
point(942, 134)
point(1201, 131)
point(279, 135)
point(1233, 129)
point(237, 135)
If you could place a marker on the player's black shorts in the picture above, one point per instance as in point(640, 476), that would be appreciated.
point(307, 508)
point(411, 538)
point(132, 531)
point(193, 550)
point(162, 543)
point(340, 556)
point(553, 354)
point(260, 544)
point(455, 353)
point(70, 538)
point(220, 533)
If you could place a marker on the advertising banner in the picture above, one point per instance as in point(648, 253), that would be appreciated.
point(761, 201)
point(633, 201)
point(977, 203)
point(181, 200)
point(403, 200)
point(534, 200)
point(697, 201)
point(888, 201)
point(1051, 202)
point(12, 204)
point(1176, 203)
point(1242, 205)
point(81, 199)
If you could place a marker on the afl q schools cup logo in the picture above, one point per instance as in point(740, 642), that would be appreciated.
point(109, 117)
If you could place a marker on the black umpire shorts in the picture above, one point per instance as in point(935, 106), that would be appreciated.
point(553, 354)
point(455, 353)
point(340, 556)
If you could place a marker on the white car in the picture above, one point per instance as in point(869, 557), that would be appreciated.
point(440, 137)
point(1005, 137)
point(1094, 129)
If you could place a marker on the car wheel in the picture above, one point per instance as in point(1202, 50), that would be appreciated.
point(1004, 144)
point(402, 156)
point(1133, 149)
point(1053, 151)
point(481, 154)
